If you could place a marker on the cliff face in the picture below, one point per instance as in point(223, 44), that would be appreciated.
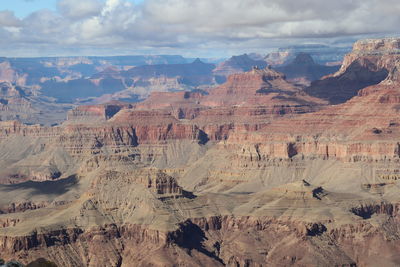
point(369, 63)
point(257, 87)
point(364, 127)
point(206, 248)
point(247, 100)
point(95, 113)
point(249, 173)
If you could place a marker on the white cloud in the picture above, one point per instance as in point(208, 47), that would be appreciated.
point(8, 19)
point(110, 6)
point(187, 25)
point(79, 9)
point(276, 18)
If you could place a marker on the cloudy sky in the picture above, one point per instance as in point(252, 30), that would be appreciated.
point(214, 28)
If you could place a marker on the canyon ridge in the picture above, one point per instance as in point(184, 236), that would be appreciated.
point(290, 165)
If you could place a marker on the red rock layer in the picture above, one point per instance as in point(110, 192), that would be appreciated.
point(95, 113)
point(366, 126)
point(257, 87)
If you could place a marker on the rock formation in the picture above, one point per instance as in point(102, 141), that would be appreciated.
point(253, 172)
point(95, 113)
point(369, 63)
point(236, 64)
point(304, 70)
point(256, 87)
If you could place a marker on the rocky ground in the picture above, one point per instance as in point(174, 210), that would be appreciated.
point(255, 172)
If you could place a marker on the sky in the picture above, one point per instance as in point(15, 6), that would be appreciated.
point(194, 28)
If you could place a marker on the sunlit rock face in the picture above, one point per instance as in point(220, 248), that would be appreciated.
point(253, 172)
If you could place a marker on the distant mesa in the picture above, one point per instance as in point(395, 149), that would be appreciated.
point(259, 86)
point(95, 113)
point(304, 70)
point(298, 66)
point(262, 87)
point(322, 54)
point(303, 59)
point(377, 46)
point(236, 64)
point(198, 61)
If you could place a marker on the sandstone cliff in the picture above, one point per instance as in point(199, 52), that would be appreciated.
point(253, 172)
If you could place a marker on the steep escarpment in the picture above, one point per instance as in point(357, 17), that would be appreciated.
point(366, 127)
point(257, 87)
point(247, 100)
point(357, 139)
point(33, 152)
point(253, 172)
point(95, 113)
point(369, 63)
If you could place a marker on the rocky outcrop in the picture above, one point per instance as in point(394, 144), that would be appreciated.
point(369, 63)
point(95, 113)
point(304, 70)
point(249, 173)
point(85, 242)
point(236, 64)
point(217, 241)
point(128, 127)
point(247, 100)
point(155, 180)
point(257, 87)
point(182, 105)
point(163, 184)
point(331, 133)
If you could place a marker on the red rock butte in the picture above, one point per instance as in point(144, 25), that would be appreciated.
point(256, 171)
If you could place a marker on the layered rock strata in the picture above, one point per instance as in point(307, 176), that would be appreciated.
point(368, 64)
point(254, 172)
